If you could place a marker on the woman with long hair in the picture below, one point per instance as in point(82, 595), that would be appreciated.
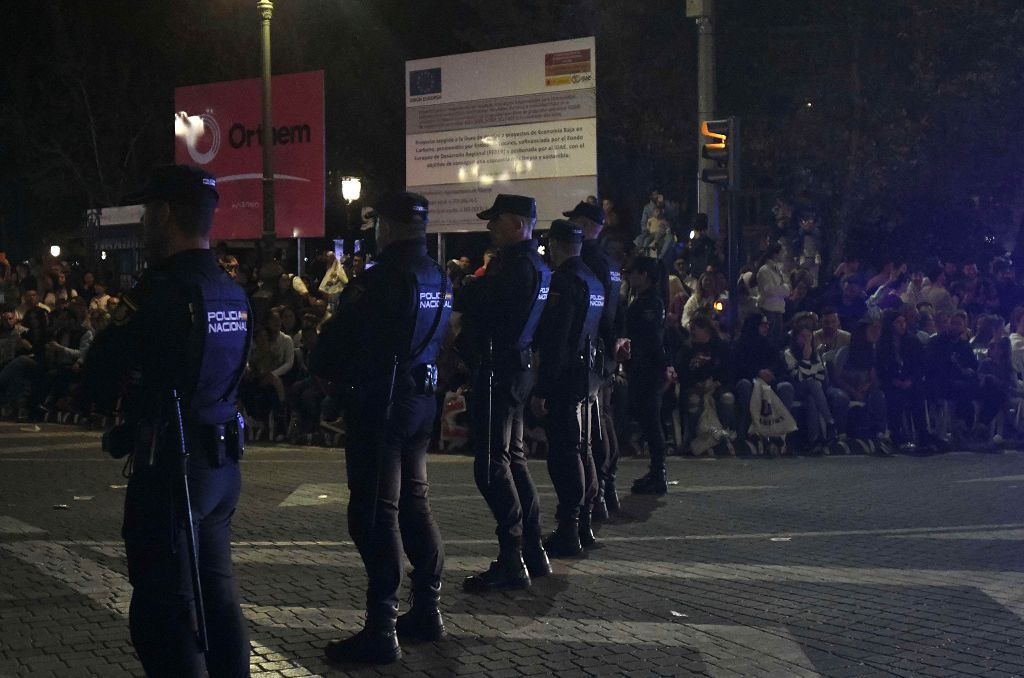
point(808, 372)
point(756, 358)
point(900, 368)
point(856, 374)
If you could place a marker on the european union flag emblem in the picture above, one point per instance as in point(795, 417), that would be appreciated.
point(427, 81)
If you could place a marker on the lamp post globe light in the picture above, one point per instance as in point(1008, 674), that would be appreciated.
point(351, 188)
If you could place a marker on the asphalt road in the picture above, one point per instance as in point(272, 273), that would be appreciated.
point(841, 566)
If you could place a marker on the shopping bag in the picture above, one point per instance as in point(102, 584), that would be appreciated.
point(334, 280)
point(769, 418)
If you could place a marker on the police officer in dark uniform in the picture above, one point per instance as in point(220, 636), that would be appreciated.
point(608, 342)
point(184, 327)
point(379, 351)
point(501, 311)
point(647, 366)
point(566, 384)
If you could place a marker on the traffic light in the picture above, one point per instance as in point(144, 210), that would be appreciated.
point(720, 143)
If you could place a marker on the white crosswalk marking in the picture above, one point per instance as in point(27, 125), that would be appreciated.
point(9, 525)
point(995, 479)
point(109, 588)
point(56, 446)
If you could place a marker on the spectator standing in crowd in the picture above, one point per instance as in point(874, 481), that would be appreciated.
point(656, 238)
point(701, 250)
point(488, 255)
point(914, 293)
point(500, 313)
point(607, 342)
point(655, 201)
point(154, 337)
point(852, 306)
point(647, 367)
point(610, 217)
point(935, 292)
point(808, 246)
point(974, 292)
point(381, 349)
point(998, 384)
point(1007, 293)
point(773, 290)
point(566, 336)
point(703, 298)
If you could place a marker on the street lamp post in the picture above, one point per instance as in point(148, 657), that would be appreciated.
point(266, 10)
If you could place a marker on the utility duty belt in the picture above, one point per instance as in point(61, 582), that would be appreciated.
point(155, 445)
point(512, 359)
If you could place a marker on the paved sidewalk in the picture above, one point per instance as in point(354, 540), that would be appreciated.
point(846, 566)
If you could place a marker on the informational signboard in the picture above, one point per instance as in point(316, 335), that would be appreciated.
point(225, 140)
point(520, 120)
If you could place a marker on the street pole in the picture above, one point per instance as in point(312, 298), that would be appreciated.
point(266, 9)
point(703, 11)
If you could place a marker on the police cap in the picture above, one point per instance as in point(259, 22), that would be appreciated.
point(565, 231)
point(520, 205)
point(402, 206)
point(180, 184)
point(585, 209)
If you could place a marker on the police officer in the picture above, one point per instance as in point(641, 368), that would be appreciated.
point(608, 342)
point(566, 384)
point(184, 327)
point(647, 366)
point(501, 311)
point(380, 350)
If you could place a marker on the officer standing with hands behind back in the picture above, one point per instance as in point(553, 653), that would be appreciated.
point(183, 328)
point(380, 350)
point(608, 342)
point(566, 385)
point(501, 311)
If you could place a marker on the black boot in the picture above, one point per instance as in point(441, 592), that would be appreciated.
point(611, 496)
point(564, 542)
point(587, 538)
point(377, 643)
point(507, 573)
point(652, 483)
point(423, 620)
point(536, 559)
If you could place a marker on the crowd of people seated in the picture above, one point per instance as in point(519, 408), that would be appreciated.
point(866, 357)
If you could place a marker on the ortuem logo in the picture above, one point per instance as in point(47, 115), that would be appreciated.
point(192, 128)
point(206, 124)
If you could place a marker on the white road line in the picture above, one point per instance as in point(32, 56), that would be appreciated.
point(751, 651)
point(55, 447)
point(9, 525)
point(50, 434)
point(107, 587)
point(996, 479)
point(984, 535)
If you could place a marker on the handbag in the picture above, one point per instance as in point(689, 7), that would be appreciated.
point(769, 418)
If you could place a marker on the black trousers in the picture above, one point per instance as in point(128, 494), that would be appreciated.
point(389, 508)
point(645, 406)
point(499, 468)
point(604, 440)
point(158, 567)
point(570, 461)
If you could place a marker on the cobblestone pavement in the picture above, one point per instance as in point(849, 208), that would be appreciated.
point(847, 566)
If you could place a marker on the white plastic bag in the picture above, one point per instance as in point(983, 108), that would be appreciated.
point(769, 418)
point(335, 279)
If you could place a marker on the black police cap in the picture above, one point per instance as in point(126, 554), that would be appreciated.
point(565, 231)
point(402, 206)
point(520, 205)
point(585, 209)
point(177, 184)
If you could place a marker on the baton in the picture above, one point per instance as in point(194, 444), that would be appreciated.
point(198, 611)
point(489, 359)
point(588, 362)
point(388, 406)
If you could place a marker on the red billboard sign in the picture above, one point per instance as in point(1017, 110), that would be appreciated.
point(228, 147)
